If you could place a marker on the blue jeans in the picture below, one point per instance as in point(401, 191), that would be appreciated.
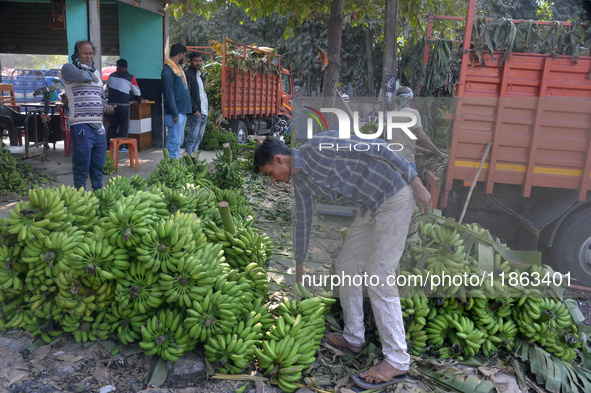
point(414, 166)
point(176, 134)
point(195, 132)
point(90, 148)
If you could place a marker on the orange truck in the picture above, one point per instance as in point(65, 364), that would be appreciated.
point(253, 103)
point(529, 123)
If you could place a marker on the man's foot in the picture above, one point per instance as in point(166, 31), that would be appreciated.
point(123, 150)
point(383, 372)
point(337, 340)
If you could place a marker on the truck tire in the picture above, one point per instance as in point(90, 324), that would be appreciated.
point(572, 247)
point(242, 133)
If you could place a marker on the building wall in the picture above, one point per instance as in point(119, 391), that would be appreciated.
point(77, 22)
point(140, 43)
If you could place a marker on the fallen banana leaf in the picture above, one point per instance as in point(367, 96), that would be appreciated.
point(552, 372)
point(461, 383)
point(239, 377)
point(159, 374)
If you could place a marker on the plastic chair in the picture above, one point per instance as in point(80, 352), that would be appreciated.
point(131, 146)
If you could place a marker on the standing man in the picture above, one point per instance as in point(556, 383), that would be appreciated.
point(382, 183)
point(86, 104)
point(198, 118)
point(122, 88)
point(409, 146)
point(177, 100)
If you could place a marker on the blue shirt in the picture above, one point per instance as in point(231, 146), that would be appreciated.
point(361, 172)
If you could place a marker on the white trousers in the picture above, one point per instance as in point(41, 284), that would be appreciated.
point(374, 247)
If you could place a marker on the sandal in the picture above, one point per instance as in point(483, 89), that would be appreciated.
point(372, 373)
point(333, 340)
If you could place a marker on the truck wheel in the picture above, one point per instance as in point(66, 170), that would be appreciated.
point(242, 133)
point(572, 247)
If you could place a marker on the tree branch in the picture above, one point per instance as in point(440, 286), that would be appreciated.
point(322, 16)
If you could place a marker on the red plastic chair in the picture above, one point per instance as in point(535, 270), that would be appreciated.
point(131, 146)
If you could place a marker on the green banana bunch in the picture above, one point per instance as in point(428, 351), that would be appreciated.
point(44, 213)
point(139, 183)
point(81, 206)
point(284, 358)
point(239, 205)
point(164, 245)
point(140, 288)
point(47, 331)
point(122, 184)
point(132, 218)
point(171, 173)
point(216, 314)
point(7, 238)
point(13, 314)
point(164, 335)
point(206, 205)
point(230, 352)
point(198, 168)
point(50, 256)
point(227, 174)
point(122, 322)
point(96, 260)
point(107, 197)
point(181, 287)
point(260, 314)
point(12, 270)
point(244, 247)
point(76, 299)
point(416, 339)
point(177, 200)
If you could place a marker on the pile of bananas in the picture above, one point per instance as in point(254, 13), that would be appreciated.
point(171, 173)
point(123, 184)
point(87, 328)
point(140, 289)
point(15, 175)
point(107, 197)
point(459, 321)
point(227, 174)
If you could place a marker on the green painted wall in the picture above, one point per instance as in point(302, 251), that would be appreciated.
point(140, 41)
point(76, 22)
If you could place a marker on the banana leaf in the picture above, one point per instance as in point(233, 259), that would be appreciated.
point(458, 382)
point(551, 372)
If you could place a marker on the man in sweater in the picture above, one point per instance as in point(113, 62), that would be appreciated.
point(199, 106)
point(86, 104)
point(122, 88)
point(177, 100)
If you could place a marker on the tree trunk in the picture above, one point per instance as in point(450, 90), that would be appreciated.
point(391, 36)
point(335, 38)
point(368, 48)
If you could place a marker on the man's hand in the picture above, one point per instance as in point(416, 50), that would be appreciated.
point(299, 273)
point(95, 79)
point(197, 114)
point(110, 109)
point(144, 101)
point(422, 196)
point(175, 119)
point(443, 155)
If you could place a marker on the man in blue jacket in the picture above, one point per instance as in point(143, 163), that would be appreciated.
point(177, 100)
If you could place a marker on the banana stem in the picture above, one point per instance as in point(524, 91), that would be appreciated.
point(166, 154)
point(344, 233)
point(227, 152)
point(227, 217)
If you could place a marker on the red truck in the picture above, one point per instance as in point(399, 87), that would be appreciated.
point(253, 103)
point(533, 188)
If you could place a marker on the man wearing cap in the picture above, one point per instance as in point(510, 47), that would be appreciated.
point(177, 100)
point(404, 95)
point(122, 87)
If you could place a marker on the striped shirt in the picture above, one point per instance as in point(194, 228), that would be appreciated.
point(360, 172)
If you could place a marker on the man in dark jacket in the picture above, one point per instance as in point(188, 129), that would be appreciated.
point(177, 100)
point(198, 118)
point(122, 88)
